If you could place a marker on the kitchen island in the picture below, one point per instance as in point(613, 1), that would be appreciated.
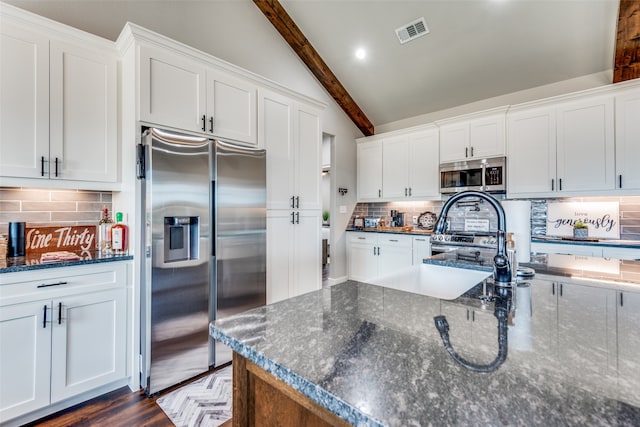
point(372, 356)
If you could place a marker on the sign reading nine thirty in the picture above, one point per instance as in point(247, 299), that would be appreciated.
point(602, 218)
point(69, 238)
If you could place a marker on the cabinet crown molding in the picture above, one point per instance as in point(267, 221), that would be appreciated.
point(54, 29)
point(133, 33)
point(405, 131)
point(472, 116)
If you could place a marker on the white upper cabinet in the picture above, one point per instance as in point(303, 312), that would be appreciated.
point(399, 167)
point(58, 115)
point(291, 133)
point(185, 93)
point(369, 165)
point(561, 150)
point(585, 145)
point(531, 158)
point(172, 90)
point(627, 107)
point(24, 100)
point(231, 108)
point(472, 138)
point(83, 114)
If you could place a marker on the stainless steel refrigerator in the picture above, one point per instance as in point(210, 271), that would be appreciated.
point(204, 210)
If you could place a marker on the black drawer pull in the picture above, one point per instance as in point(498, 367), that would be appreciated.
point(59, 313)
point(42, 166)
point(46, 285)
point(204, 122)
point(56, 166)
point(44, 320)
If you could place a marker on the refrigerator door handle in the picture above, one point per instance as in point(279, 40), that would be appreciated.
point(141, 161)
point(212, 225)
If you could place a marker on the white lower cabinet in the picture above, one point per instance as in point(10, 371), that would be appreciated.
point(294, 249)
point(63, 334)
point(586, 250)
point(378, 254)
point(421, 249)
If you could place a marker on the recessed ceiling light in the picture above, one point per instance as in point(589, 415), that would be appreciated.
point(361, 53)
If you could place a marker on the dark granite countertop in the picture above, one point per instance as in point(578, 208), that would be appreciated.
point(373, 356)
point(415, 231)
point(33, 261)
point(633, 244)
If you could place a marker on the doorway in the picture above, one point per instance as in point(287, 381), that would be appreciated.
point(326, 186)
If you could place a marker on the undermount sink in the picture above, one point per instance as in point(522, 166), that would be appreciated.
point(433, 280)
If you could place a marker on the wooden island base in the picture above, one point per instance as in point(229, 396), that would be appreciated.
point(259, 399)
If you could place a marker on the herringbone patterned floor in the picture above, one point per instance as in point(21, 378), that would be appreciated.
point(203, 403)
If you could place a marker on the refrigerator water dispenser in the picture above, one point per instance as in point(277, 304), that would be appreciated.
point(181, 238)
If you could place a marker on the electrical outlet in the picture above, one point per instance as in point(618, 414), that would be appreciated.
point(343, 209)
point(415, 220)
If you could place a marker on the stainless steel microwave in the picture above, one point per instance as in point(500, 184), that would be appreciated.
point(488, 175)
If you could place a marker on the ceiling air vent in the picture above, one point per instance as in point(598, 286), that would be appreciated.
point(412, 30)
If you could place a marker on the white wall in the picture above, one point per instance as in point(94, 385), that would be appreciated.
point(235, 31)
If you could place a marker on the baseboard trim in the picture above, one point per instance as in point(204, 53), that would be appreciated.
point(334, 281)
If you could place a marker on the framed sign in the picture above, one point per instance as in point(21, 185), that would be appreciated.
point(601, 218)
point(80, 238)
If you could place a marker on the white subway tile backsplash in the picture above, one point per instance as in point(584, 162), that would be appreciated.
point(41, 207)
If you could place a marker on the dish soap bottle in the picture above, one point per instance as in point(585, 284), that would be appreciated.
point(119, 236)
point(104, 231)
point(511, 254)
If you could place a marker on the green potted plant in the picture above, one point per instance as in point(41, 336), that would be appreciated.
point(325, 217)
point(580, 230)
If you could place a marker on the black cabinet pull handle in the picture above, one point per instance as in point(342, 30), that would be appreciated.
point(560, 184)
point(553, 182)
point(293, 218)
point(553, 288)
point(42, 166)
point(211, 124)
point(379, 193)
point(409, 191)
point(204, 123)
point(467, 314)
point(297, 217)
point(621, 300)
point(44, 319)
point(46, 285)
point(293, 202)
point(406, 192)
point(471, 151)
point(560, 289)
point(59, 313)
point(466, 151)
point(619, 181)
point(56, 166)
point(297, 202)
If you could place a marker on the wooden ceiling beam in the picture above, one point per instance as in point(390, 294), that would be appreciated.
point(627, 59)
point(288, 29)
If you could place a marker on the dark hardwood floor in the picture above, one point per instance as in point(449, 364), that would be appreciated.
point(121, 407)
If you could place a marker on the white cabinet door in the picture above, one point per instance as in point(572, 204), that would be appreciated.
point(486, 137)
point(279, 254)
point(83, 108)
point(25, 358)
point(566, 249)
point(308, 157)
point(394, 255)
point(627, 108)
point(585, 145)
point(24, 102)
point(89, 342)
point(294, 252)
point(275, 117)
point(531, 154)
point(454, 142)
point(628, 314)
point(369, 163)
point(395, 167)
point(423, 165)
point(307, 253)
point(363, 261)
point(421, 249)
point(172, 90)
point(231, 108)
point(586, 319)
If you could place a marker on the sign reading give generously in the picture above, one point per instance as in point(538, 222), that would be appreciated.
point(602, 218)
point(70, 238)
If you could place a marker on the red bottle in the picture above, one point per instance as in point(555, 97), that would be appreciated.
point(119, 236)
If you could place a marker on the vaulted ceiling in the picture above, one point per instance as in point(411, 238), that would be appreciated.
point(475, 49)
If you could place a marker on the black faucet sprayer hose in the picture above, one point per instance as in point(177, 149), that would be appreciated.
point(501, 312)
